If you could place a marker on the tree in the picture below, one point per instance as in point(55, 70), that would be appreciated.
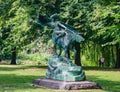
point(117, 65)
point(17, 25)
point(13, 59)
point(98, 20)
point(105, 24)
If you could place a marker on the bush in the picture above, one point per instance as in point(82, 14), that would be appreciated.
point(36, 58)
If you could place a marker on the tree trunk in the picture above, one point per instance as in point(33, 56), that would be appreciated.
point(117, 65)
point(77, 56)
point(106, 54)
point(13, 60)
point(0, 58)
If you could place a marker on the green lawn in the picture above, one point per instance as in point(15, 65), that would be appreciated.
point(18, 78)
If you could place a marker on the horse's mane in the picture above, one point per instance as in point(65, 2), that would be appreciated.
point(68, 26)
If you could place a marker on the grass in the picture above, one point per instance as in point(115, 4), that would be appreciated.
point(18, 78)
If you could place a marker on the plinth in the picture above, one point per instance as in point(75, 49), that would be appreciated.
point(66, 85)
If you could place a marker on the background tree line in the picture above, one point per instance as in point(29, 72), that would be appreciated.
point(98, 20)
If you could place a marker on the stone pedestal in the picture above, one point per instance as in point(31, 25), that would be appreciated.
point(66, 85)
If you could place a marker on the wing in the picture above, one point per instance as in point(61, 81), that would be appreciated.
point(79, 38)
point(76, 35)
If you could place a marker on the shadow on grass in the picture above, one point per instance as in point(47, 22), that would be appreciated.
point(100, 68)
point(17, 82)
point(107, 85)
point(18, 67)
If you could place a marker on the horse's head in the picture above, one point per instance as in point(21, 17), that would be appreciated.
point(43, 19)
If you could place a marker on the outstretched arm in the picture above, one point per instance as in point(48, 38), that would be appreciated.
point(62, 26)
point(53, 16)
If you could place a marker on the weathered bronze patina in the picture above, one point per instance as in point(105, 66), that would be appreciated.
point(64, 36)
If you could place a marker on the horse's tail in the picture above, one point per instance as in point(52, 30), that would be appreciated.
point(78, 38)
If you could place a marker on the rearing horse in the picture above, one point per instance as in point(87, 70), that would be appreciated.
point(66, 39)
point(63, 35)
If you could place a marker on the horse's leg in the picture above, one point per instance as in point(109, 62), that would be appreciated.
point(75, 52)
point(67, 53)
point(54, 42)
point(54, 38)
point(54, 49)
point(60, 51)
point(67, 56)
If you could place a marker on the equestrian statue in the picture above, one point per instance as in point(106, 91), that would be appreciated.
point(64, 38)
point(63, 35)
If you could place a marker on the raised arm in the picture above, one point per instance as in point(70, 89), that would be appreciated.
point(52, 17)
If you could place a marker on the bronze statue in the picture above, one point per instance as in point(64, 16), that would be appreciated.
point(63, 35)
point(61, 67)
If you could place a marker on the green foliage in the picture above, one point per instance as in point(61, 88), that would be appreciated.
point(98, 20)
point(106, 24)
point(87, 62)
point(36, 58)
